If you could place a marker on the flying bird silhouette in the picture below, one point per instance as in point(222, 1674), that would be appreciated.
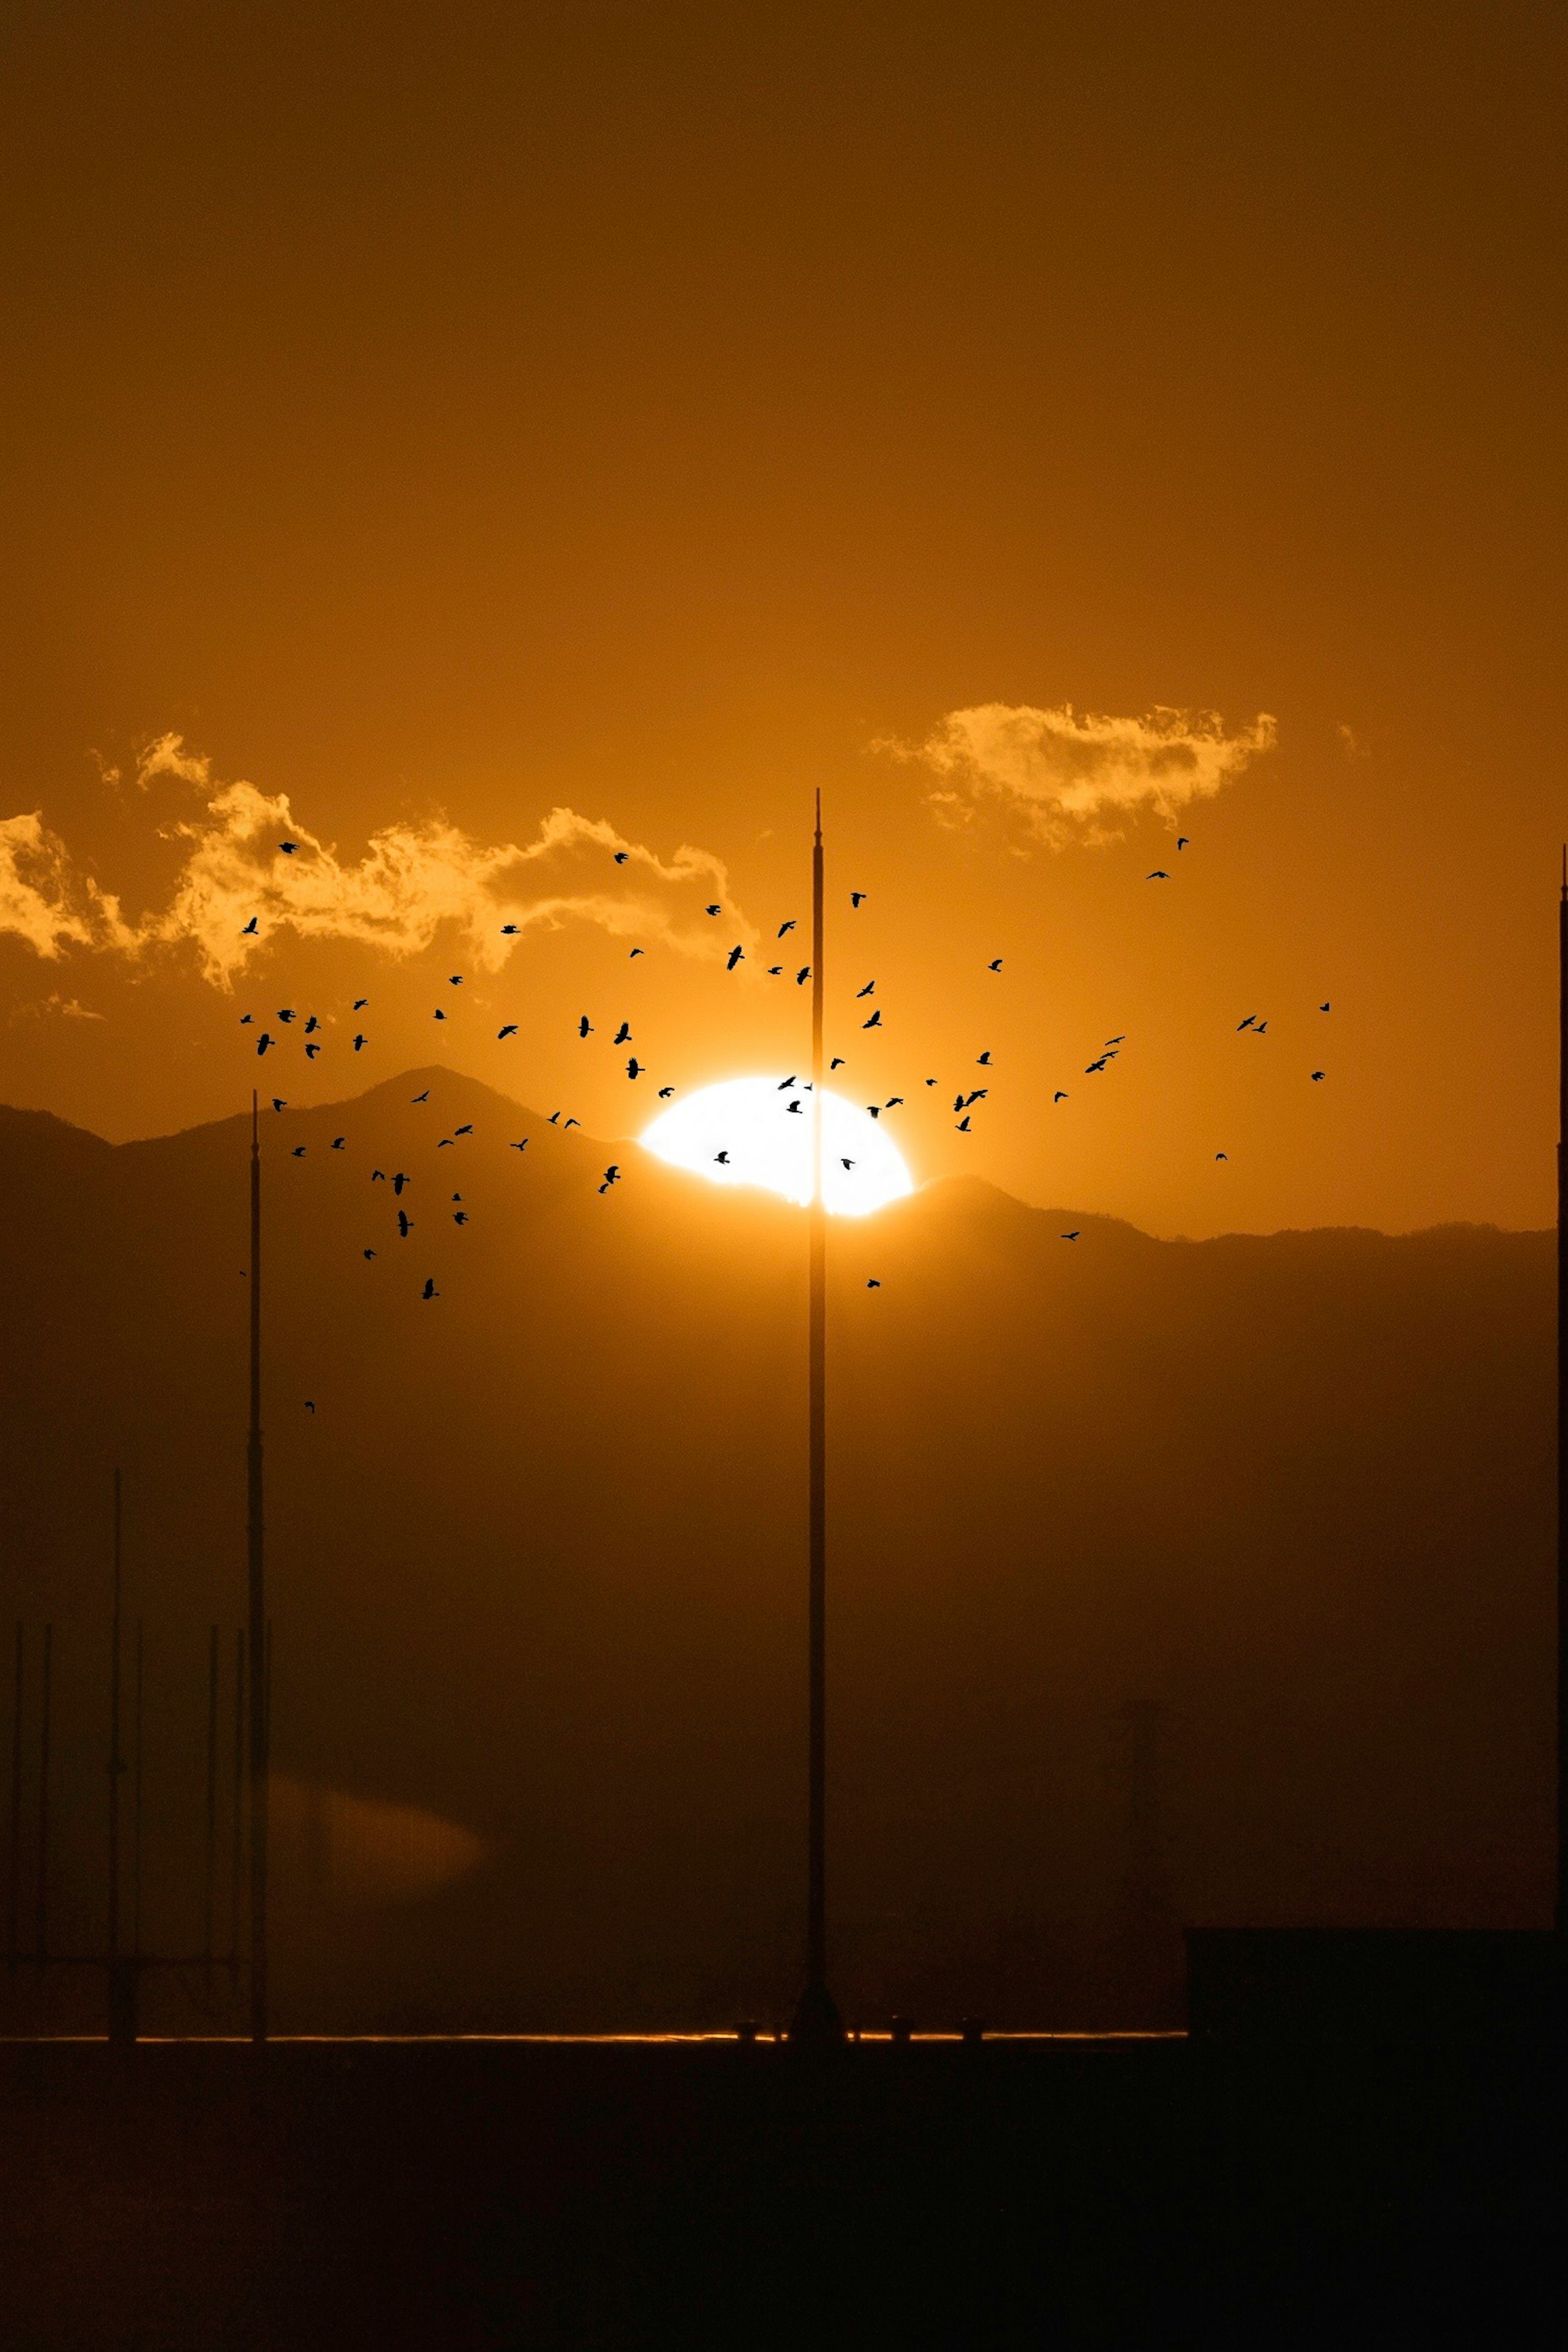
point(438, 1014)
point(279, 1102)
point(711, 910)
point(430, 1291)
point(1326, 1008)
point(378, 1176)
point(584, 1026)
point(310, 1407)
point(1182, 840)
point(419, 1099)
point(287, 1015)
point(623, 1035)
point(248, 931)
point(246, 1019)
point(299, 1151)
point(262, 1041)
point(857, 898)
point(1247, 1023)
point(894, 1102)
point(1117, 1040)
point(338, 1141)
point(367, 1252)
point(994, 965)
point(721, 1159)
point(1072, 1236)
point(983, 1061)
point(554, 1116)
point(311, 1052)
point(872, 1283)
point(466, 1128)
point(359, 1043)
point(359, 1004)
point(1059, 1096)
point(963, 1124)
point(866, 989)
point(510, 1031)
point(571, 1122)
point(795, 1104)
point(455, 980)
point(520, 1147)
point(398, 1180)
point(622, 856)
point(1090, 1068)
point(1222, 1155)
point(875, 1020)
point(635, 1068)
point(774, 969)
point(289, 847)
point(733, 958)
point(635, 952)
point(460, 1216)
point(611, 1176)
point(803, 974)
point(508, 930)
point(311, 1026)
point(404, 1224)
point(1262, 1025)
point(1318, 1074)
point(1159, 875)
point(785, 1083)
point(846, 1163)
point(664, 1093)
point(874, 1111)
point(837, 1062)
point(785, 926)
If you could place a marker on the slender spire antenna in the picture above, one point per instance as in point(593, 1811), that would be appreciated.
point(817, 2021)
point(116, 1761)
point(257, 1565)
point(1561, 1901)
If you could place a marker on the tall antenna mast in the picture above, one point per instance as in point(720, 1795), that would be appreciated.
point(1562, 1903)
point(817, 2020)
point(256, 1564)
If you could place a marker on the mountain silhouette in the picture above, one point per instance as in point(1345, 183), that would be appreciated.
point(537, 1561)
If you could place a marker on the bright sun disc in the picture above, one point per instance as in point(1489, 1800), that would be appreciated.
point(766, 1143)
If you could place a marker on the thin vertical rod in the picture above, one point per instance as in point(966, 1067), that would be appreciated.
point(236, 1821)
point(116, 1761)
point(210, 1873)
point(14, 1882)
point(817, 1870)
point(256, 1564)
point(46, 1727)
point(1561, 1894)
point(136, 1802)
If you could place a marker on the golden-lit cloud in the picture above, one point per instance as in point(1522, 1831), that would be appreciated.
point(1063, 776)
point(41, 900)
point(238, 884)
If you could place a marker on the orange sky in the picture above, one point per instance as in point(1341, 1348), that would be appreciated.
point(449, 416)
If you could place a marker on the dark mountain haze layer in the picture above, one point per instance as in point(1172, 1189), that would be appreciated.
point(1168, 1580)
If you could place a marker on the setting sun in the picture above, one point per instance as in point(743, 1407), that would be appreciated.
point(762, 1126)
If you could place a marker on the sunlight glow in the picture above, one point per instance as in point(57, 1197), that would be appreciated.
point(770, 1145)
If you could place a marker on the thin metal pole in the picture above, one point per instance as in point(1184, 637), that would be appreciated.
point(116, 1761)
point(40, 1936)
point(136, 1805)
point(14, 1937)
point(236, 1821)
point(256, 1563)
point(817, 2019)
point(210, 1876)
point(1562, 1892)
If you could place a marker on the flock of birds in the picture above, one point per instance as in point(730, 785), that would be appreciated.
point(965, 1101)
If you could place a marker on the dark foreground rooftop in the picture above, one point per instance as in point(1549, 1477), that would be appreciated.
point(499, 2193)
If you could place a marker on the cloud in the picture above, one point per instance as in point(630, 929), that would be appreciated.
point(1077, 776)
point(55, 1007)
point(414, 881)
point(41, 899)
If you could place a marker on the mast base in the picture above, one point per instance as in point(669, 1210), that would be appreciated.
point(816, 2024)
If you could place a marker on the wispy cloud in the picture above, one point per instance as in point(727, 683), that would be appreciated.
point(414, 881)
point(1065, 775)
